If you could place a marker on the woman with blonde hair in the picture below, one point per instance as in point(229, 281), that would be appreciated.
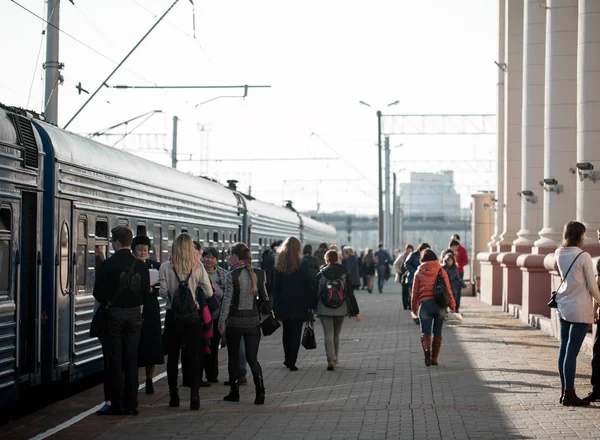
point(184, 270)
point(575, 305)
point(240, 316)
point(294, 297)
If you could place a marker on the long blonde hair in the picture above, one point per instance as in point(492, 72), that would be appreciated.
point(243, 253)
point(289, 256)
point(184, 255)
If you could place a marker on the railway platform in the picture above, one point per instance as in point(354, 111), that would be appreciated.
point(496, 380)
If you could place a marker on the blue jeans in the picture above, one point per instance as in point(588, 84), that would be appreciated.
point(380, 277)
point(572, 335)
point(430, 313)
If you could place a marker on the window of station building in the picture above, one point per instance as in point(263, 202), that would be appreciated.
point(170, 239)
point(64, 258)
point(5, 248)
point(101, 248)
point(82, 253)
point(141, 230)
point(156, 242)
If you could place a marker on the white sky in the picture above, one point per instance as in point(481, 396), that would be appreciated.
point(320, 57)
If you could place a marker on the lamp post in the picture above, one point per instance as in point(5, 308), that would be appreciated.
point(380, 176)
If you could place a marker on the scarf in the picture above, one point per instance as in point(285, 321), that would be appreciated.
point(238, 264)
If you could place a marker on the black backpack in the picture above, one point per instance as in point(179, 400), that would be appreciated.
point(332, 291)
point(440, 291)
point(183, 305)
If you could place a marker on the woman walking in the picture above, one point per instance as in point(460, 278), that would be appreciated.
point(294, 297)
point(423, 303)
point(184, 270)
point(240, 317)
point(575, 304)
point(336, 300)
point(456, 281)
point(369, 269)
point(401, 274)
point(218, 279)
point(150, 352)
point(350, 263)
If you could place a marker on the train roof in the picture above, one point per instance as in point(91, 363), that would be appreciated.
point(317, 226)
point(73, 149)
point(8, 132)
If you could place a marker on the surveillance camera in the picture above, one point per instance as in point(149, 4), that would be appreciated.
point(585, 166)
point(527, 193)
point(551, 181)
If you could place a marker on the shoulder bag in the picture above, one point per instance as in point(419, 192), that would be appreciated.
point(309, 341)
point(552, 303)
point(440, 291)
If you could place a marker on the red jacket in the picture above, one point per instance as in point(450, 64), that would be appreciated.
point(425, 277)
point(461, 259)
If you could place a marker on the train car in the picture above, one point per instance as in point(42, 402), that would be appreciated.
point(60, 195)
point(90, 188)
point(315, 232)
point(20, 244)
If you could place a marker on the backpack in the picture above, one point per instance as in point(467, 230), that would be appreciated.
point(183, 305)
point(331, 292)
point(440, 291)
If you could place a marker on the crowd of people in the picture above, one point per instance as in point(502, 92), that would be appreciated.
point(208, 307)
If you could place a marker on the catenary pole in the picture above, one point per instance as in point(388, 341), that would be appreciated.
point(52, 65)
point(380, 180)
point(388, 212)
point(174, 148)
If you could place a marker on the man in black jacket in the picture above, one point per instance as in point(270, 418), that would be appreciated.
point(123, 281)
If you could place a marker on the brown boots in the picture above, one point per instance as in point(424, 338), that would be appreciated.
point(435, 350)
point(426, 343)
point(431, 350)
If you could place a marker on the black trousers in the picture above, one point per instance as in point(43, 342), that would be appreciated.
point(211, 361)
point(251, 342)
point(179, 335)
point(596, 361)
point(292, 335)
point(123, 330)
point(406, 296)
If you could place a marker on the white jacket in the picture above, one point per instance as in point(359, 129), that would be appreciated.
point(576, 296)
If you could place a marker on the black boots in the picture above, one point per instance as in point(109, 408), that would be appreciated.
point(174, 400)
point(149, 386)
point(234, 392)
point(260, 390)
point(194, 399)
point(571, 399)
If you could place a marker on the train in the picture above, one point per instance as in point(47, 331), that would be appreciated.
point(60, 195)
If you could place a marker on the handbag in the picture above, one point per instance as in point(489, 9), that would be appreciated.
point(309, 341)
point(98, 324)
point(269, 324)
point(552, 303)
point(453, 319)
point(440, 291)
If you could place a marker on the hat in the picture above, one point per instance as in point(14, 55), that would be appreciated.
point(141, 239)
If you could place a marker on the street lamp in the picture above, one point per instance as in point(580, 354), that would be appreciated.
point(380, 177)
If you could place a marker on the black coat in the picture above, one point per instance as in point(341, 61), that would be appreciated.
point(351, 265)
point(294, 294)
point(150, 351)
point(107, 286)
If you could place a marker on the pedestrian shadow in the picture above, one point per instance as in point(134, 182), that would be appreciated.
point(508, 342)
point(545, 373)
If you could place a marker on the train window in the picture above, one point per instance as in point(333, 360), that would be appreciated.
point(207, 236)
point(5, 248)
point(171, 239)
point(102, 229)
point(216, 238)
point(156, 242)
point(123, 222)
point(260, 241)
point(101, 248)
point(82, 253)
point(197, 235)
point(64, 258)
point(141, 230)
point(184, 230)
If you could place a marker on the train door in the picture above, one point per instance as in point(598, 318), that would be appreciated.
point(29, 298)
point(64, 285)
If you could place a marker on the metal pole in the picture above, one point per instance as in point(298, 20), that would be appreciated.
point(174, 149)
point(52, 65)
point(394, 213)
point(379, 170)
point(388, 204)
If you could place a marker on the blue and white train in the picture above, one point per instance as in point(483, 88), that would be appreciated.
point(60, 195)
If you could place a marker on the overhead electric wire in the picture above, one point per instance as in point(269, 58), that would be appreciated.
point(79, 41)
